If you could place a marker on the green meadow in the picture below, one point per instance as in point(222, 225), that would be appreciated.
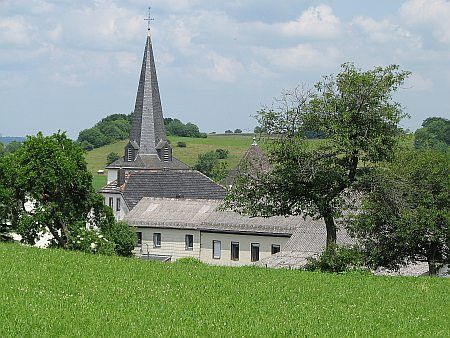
point(236, 145)
point(56, 293)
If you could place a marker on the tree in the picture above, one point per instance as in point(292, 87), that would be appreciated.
point(434, 134)
point(238, 131)
point(257, 130)
point(356, 111)
point(405, 213)
point(112, 157)
point(2, 149)
point(228, 131)
point(46, 187)
point(222, 153)
point(12, 146)
point(209, 164)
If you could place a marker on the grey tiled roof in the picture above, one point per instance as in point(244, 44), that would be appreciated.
point(147, 162)
point(170, 184)
point(203, 215)
point(253, 161)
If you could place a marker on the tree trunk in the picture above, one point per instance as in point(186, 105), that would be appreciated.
point(331, 230)
point(431, 259)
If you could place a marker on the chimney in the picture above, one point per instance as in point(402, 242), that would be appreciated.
point(120, 177)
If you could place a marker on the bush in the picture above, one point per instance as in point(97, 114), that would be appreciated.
point(336, 259)
point(123, 237)
point(222, 153)
point(181, 144)
point(189, 261)
point(112, 157)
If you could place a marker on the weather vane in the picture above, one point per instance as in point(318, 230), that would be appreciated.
point(149, 18)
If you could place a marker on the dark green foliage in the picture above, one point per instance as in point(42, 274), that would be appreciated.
point(228, 131)
point(405, 213)
point(238, 131)
point(112, 156)
point(177, 128)
point(210, 165)
point(181, 144)
point(434, 134)
point(50, 174)
point(110, 129)
point(222, 153)
point(336, 259)
point(356, 111)
point(122, 236)
point(257, 130)
point(10, 147)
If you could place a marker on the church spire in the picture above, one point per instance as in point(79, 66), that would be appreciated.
point(148, 123)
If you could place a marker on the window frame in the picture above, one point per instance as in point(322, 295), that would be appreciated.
point(186, 242)
point(235, 251)
point(273, 246)
point(139, 238)
point(252, 246)
point(214, 253)
point(118, 204)
point(156, 239)
point(111, 202)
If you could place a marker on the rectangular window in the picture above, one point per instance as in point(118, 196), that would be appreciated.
point(111, 202)
point(275, 248)
point(118, 204)
point(138, 238)
point(156, 240)
point(189, 241)
point(216, 249)
point(234, 251)
point(255, 252)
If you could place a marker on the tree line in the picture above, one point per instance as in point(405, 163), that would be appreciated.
point(117, 127)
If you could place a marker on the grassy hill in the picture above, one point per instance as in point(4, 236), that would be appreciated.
point(237, 145)
point(57, 293)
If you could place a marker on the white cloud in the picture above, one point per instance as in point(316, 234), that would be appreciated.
point(223, 69)
point(302, 57)
point(318, 22)
point(66, 79)
point(14, 30)
point(417, 82)
point(432, 13)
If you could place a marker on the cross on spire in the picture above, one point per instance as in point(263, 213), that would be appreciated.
point(149, 18)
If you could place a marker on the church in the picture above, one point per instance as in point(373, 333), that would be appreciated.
point(174, 209)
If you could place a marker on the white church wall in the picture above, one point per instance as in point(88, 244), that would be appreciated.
point(120, 209)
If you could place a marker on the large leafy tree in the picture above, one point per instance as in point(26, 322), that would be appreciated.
point(46, 187)
point(434, 134)
point(356, 112)
point(405, 214)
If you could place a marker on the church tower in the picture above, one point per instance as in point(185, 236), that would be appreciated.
point(148, 147)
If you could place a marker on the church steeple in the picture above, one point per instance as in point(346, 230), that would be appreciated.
point(148, 123)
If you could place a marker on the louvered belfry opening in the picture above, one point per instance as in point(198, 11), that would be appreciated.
point(166, 154)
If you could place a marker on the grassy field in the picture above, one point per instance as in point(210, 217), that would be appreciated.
point(56, 293)
point(236, 145)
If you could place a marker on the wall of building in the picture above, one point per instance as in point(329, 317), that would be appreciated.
point(112, 175)
point(119, 214)
point(245, 241)
point(172, 242)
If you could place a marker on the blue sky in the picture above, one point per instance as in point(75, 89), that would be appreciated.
point(66, 64)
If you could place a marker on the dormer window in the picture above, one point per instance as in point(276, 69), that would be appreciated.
point(166, 154)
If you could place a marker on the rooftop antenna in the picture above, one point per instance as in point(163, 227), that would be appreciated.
point(149, 19)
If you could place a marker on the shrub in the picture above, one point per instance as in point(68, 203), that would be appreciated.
point(123, 237)
point(336, 259)
point(181, 144)
point(222, 153)
point(112, 157)
point(189, 261)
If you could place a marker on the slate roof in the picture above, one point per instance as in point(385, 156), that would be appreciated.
point(169, 184)
point(198, 214)
point(148, 124)
point(148, 162)
point(254, 161)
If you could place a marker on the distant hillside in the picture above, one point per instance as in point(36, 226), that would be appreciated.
point(8, 139)
point(236, 145)
point(117, 127)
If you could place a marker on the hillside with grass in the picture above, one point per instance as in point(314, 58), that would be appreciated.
point(58, 293)
point(236, 145)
